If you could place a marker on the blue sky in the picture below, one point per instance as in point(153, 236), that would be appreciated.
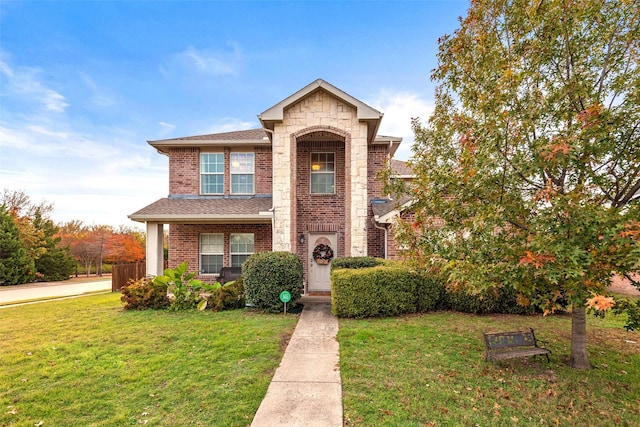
point(84, 84)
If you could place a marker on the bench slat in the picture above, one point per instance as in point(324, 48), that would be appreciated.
point(507, 345)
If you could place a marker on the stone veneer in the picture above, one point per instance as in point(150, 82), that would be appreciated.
point(320, 112)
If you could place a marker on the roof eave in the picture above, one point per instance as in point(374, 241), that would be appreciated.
point(164, 145)
point(261, 217)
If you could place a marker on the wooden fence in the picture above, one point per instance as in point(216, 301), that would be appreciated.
point(122, 273)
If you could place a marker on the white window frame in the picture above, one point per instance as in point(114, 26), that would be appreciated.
point(240, 253)
point(233, 174)
point(313, 172)
point(213, 253)
point(203, 173)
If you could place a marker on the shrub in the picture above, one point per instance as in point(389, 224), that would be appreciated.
point(355, 262)
point(497, 300)
point(144, 294)
point(431, 293)
point(377, 291)
point(227, 297)
point(266, 274)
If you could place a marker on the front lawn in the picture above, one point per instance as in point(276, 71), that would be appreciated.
point(86, 362)
point(429, 370)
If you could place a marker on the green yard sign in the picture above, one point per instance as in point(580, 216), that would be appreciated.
point(285, 296)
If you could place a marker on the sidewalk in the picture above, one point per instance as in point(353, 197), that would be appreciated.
point(306, 389)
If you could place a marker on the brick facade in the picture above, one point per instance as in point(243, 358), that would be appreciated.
point(320, 120)
point(184, 242)
point(377, 155)
point(184, 169)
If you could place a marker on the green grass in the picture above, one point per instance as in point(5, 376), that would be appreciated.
point(429, 370)
point(87, 362)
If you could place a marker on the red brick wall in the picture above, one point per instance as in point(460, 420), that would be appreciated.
point(377, 157)
point(320, 212)
point(184, 242)
point(184, 170)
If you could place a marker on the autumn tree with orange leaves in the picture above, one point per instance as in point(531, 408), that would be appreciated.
point(531, 158)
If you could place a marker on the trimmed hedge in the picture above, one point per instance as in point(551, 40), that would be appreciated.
point(355, 262)
point(382, 291)
point(392, 289)
point(266, 274)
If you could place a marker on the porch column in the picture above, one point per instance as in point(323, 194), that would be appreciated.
point(155, 249)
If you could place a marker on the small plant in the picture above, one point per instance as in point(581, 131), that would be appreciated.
point(229, 296)
point(144, 294)
point(183, 288)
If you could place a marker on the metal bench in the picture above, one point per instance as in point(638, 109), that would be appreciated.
point(508, 345)
point(228, 274)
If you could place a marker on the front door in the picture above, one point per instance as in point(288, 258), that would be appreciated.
point(322, 249)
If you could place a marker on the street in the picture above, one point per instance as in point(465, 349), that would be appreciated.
point(45, 290)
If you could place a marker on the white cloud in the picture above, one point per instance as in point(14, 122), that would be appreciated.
point(399, 108)
point(166, 128)
point(208, 62)
point(100, 96)
point(53, 101)
point(26, 83)
point(230, 124)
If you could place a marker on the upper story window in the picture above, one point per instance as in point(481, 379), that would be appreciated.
point(211, 252)
point(323, 171)
point(211, 173)
point(242, 173)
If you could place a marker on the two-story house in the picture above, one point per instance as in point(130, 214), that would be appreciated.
point(304, 182)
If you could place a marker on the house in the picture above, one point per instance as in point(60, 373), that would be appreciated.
point(304, 182)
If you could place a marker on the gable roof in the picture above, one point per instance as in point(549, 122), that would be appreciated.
point(364, 112)
point(197, 209)
point(251, 137)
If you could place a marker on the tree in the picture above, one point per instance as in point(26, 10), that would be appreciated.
point(122, 247)
point(56, 262)
point(16, 266)
point(531, 159)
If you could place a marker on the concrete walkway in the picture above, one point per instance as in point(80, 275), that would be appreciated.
point(306, 389)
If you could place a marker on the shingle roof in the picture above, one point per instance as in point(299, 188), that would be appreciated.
point(206, 209)
point(380, 209)
point(400, 168)
point(240, 135)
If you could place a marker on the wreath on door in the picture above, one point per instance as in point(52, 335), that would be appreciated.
point(322, 254)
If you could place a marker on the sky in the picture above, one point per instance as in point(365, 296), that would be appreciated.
point(85, 84)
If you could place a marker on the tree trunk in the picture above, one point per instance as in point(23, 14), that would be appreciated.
point(579, 356)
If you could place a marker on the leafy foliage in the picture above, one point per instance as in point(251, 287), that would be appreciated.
point(144, 294)
point(355, 262)
point(229, 296)
point(184, 289)
point(382, 291)
point(56, 261)
point(266, 274)
point(530, 162)
point(16, 266)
